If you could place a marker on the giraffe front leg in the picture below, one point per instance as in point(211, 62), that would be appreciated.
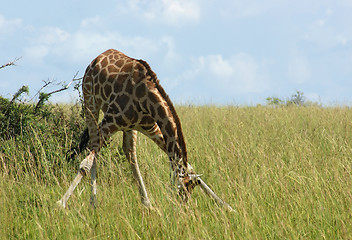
point(129, 147)
point(84, 167)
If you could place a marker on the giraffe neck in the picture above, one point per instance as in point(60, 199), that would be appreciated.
point(180, 141)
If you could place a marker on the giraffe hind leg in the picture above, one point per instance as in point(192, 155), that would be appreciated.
point(129, 147)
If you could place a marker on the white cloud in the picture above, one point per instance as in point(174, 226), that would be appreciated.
point(82, 45)
point(248, 8)
point(327, 35)
point(51, 36)
point(85, 44)
point(218, 66)
point(45, 42)
point(170, 12)
point(177, 11)
point(8, 26)
point(321, 22)
point(235, 9)
point(238, 74)
point(88, 22)
point(36, 53)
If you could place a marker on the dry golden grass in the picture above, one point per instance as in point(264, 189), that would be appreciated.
point(286, 171)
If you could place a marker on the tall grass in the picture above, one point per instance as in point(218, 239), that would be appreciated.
point(286, 171)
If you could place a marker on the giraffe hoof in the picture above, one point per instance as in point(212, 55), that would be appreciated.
point(147, 204)
point(93, 201)
point(61, 204)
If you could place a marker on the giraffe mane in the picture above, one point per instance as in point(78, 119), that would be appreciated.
point(181, 140)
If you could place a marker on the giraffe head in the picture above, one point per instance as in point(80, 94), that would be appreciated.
point(189, 183)
point(187, 180)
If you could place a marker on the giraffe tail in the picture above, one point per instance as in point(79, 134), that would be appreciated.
point(83, 144)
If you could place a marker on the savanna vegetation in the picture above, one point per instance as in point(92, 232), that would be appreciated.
point(285, 168)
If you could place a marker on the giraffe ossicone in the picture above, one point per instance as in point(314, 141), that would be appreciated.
point(131, 98)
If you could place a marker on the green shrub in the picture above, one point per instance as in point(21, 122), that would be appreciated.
point(43, 133)
point(297, 99)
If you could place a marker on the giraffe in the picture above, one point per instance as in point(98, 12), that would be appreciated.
point(131, 98)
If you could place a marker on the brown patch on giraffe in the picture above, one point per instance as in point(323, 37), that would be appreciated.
point(121, 78)
point(147, 120)
point(170, 130)
point(98, 102)
point(88, 78)
point(107, 119)
point(119, 63)
point(169, 112)
point(137, 106)
point(146, 128)
point(96, 70)
point(113, 128)
point(97, 90)
point(135, 77)
point(141, 70)
point(113, 108)
point(122, 100)
point(88, 88)
point(113, 69)
point(120, 121)
point(92, 64)
point(112, 99)
point(129, 87)
point(89, 73)
point(150, 85)
point(107, 90)
point(139, 73)
point(105, 107)
point(140, 91)
point(112, 78)
point(161, 112)
point(144, 104)
point(104, 62)
point(152, 110)
point(101, 79)
point(153, 97)
point(127, 68)
point(170, 147)
point(117, 87)
point(131, 114)
point(103, 76)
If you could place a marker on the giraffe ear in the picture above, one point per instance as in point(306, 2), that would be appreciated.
point(194, 176)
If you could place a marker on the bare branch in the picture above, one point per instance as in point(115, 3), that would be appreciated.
point(67, 86)
point(47, 95)
point(12, 63)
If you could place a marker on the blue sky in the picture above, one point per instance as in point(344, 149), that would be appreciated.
point(203, 51)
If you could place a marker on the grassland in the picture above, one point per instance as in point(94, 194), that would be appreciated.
point(287, 172)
